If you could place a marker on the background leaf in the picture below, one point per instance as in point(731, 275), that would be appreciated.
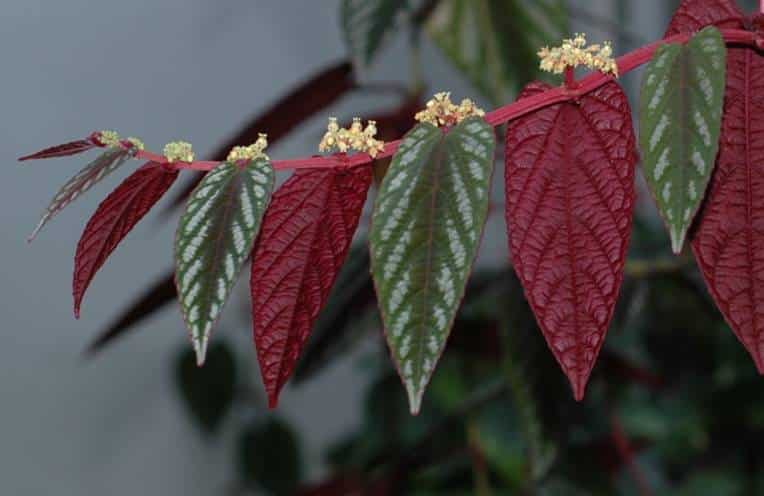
point(270, 458)
point(208, 391)
point(426, 227)
point(570, 197)
point(215, 237)
point(85, 179)
point(680, 118)
point(114, 219)
point(366, 24)
point(305, 236)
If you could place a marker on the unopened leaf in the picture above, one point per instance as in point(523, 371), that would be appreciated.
point(85, 179)
point(680, 118)
point(215, 237)
point(366, 24)
point(114, 219)
point(65, 150)
point(426, 228)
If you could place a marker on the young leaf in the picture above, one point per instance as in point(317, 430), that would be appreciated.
point(215, 236)
point(680, 118)
point(365, 25)
point(114, 219)
point(570, 196)
point(94, 172)
point(494, 42)
point(65, 150)
point(426, 228)
point(728, 241)
point(305, 237)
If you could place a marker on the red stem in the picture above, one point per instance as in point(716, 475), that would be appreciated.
point(626, 63)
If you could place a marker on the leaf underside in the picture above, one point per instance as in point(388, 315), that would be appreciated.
point(680, 118)
point(304, 240)
point(95, 171)
point(570, 198)
point(728, 241)
point(114, 219)
point(426, 228)
point(214, 239)
point(65, 150)
point(366, 24)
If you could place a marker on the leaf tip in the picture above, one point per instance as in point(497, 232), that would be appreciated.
point(415, 400)
point(200, 348)
point(677, 242)
point(273, 400)
point(578, 384)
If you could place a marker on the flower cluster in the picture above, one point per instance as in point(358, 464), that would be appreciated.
point(108, 138)
point(440, 111)
point(356, 137)
point(135, 143)
point(178, 151)
point(574, 53)
point(251, 152)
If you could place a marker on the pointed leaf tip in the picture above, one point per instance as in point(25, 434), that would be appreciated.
point(200, 349)
point(415, 399)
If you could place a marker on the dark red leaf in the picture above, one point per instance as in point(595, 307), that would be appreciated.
point(303, 242)
point(570, 196)
point(114, 219)
point(159, 295)
point(728, 240)
point(65, 150)
point(294, 108)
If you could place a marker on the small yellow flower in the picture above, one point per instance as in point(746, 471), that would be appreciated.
point(441, 111)
point(136, 144)
point(251, 152)
point(179, 151)
point(574, 53)
point(356, 137)
point(109, 138)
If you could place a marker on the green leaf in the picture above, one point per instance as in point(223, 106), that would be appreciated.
point(214, 239)
point(269, 458)
point(426, 228)
point(209, 391)
point(680, 120)
point(494, 42)
point(94, 172)
point(366, 24)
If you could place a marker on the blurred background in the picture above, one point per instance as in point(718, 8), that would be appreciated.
point(674, 406)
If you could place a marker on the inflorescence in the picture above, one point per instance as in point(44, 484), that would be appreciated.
point(356, 138)
point(251, 152)
point(574, 52)
point(179, 151)
point(441, 111)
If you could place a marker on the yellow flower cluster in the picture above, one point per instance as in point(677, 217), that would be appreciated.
point(178, 151)
point(440, 111)
point(574, 53)
point(251, 152)
point(109, 138)
point(136, 143)
point(356, 137)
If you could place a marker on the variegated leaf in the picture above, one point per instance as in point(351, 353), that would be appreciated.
point(214, 239)
point(95, 171)
point(680, 118)
point(425, 233)
point(365, 25)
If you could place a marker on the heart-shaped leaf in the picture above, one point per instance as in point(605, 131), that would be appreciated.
point(426, 228)
point(728, 240)
point(270, 457)
point(680, 118)
point(215, 236)
point(114, 219)
point(85, 179)
point(366, 24)
point(65, 150)
point(305, 237)
point(570, 198)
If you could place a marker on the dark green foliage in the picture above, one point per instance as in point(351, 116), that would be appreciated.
point(269, 457)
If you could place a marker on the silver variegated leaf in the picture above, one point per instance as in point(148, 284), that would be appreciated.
point(426, 228)
point(214, 239)
point(95, 171)
point(680, 120)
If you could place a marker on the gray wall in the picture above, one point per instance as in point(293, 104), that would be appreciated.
point(163, 70)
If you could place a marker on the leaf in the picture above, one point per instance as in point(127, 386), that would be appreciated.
point(65, 150)
point(680, 117)
point(209, 391)
point(303, 102)
point(426, 227)
point(305, 237)
point(728, 241)
point(159, 295)
point(214, 239)
point(366, 24)
point(494, 42)
point(570, 196)
point(270, 457)
point(85, 179)
point(114, 219)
